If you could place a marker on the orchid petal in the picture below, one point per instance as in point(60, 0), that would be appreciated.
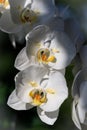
point(45, 8)
point(79, 78)
point(75, 117)
point(22, 60)
point(24, 78)
point(83, 95)
point(66, 50)
point(81, 113)
point(57, 84)
point(16, 8)
point(34, 38)
point(7, 25)
point(15, 103)
point(47, 117)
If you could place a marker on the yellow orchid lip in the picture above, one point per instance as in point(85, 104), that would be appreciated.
point(33, 83)
point(28, 16)
point(38, 96)
point(43, 56)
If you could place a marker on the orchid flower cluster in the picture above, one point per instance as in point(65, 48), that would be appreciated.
point(53, 39)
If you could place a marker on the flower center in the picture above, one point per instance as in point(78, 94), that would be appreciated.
point(38, 96)
point(4, 4)
point(28, 15)
point(43, 56)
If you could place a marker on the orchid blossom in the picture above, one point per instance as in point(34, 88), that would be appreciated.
point(35, 86)
point(52, 49)
point(79, 93)
point(23, 15)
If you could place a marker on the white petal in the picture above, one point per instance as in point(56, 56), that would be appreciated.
point(22, 61)
point(32, 73)
point(15, 103)
point(12, 38)
point(45, 8)
point(75, 117)
point(17, 2)
point(56, 83)
point(83, 95)
point(47, 117)
point(75, 90)
point(37, 34)
point(34, 38)
point(16, 7)
point(83, 55)
point(79, 78)
point(27, 3)
point(81, 113)
point(22, 91)
point(66, 50)
point(63, 71)
point(19, 36)
point(44, 81)
point(7, 25)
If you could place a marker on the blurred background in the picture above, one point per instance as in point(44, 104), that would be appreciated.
point(29, 120)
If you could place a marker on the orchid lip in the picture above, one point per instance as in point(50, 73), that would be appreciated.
point(28, 16)
point(33, 83)
point(38, 96)
point(44, 56)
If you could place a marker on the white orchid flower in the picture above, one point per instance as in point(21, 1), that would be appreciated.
point(35, 88)
point(79, 93)
point(52, 49)
point(23, 15)
point(4, 6)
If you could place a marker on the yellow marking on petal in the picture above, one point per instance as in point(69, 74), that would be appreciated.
point(50, 91)
point(33, 84)
point(36, 102)
point(37, 11)
point(54, 50)
point(51, 59)
point(38, 45)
